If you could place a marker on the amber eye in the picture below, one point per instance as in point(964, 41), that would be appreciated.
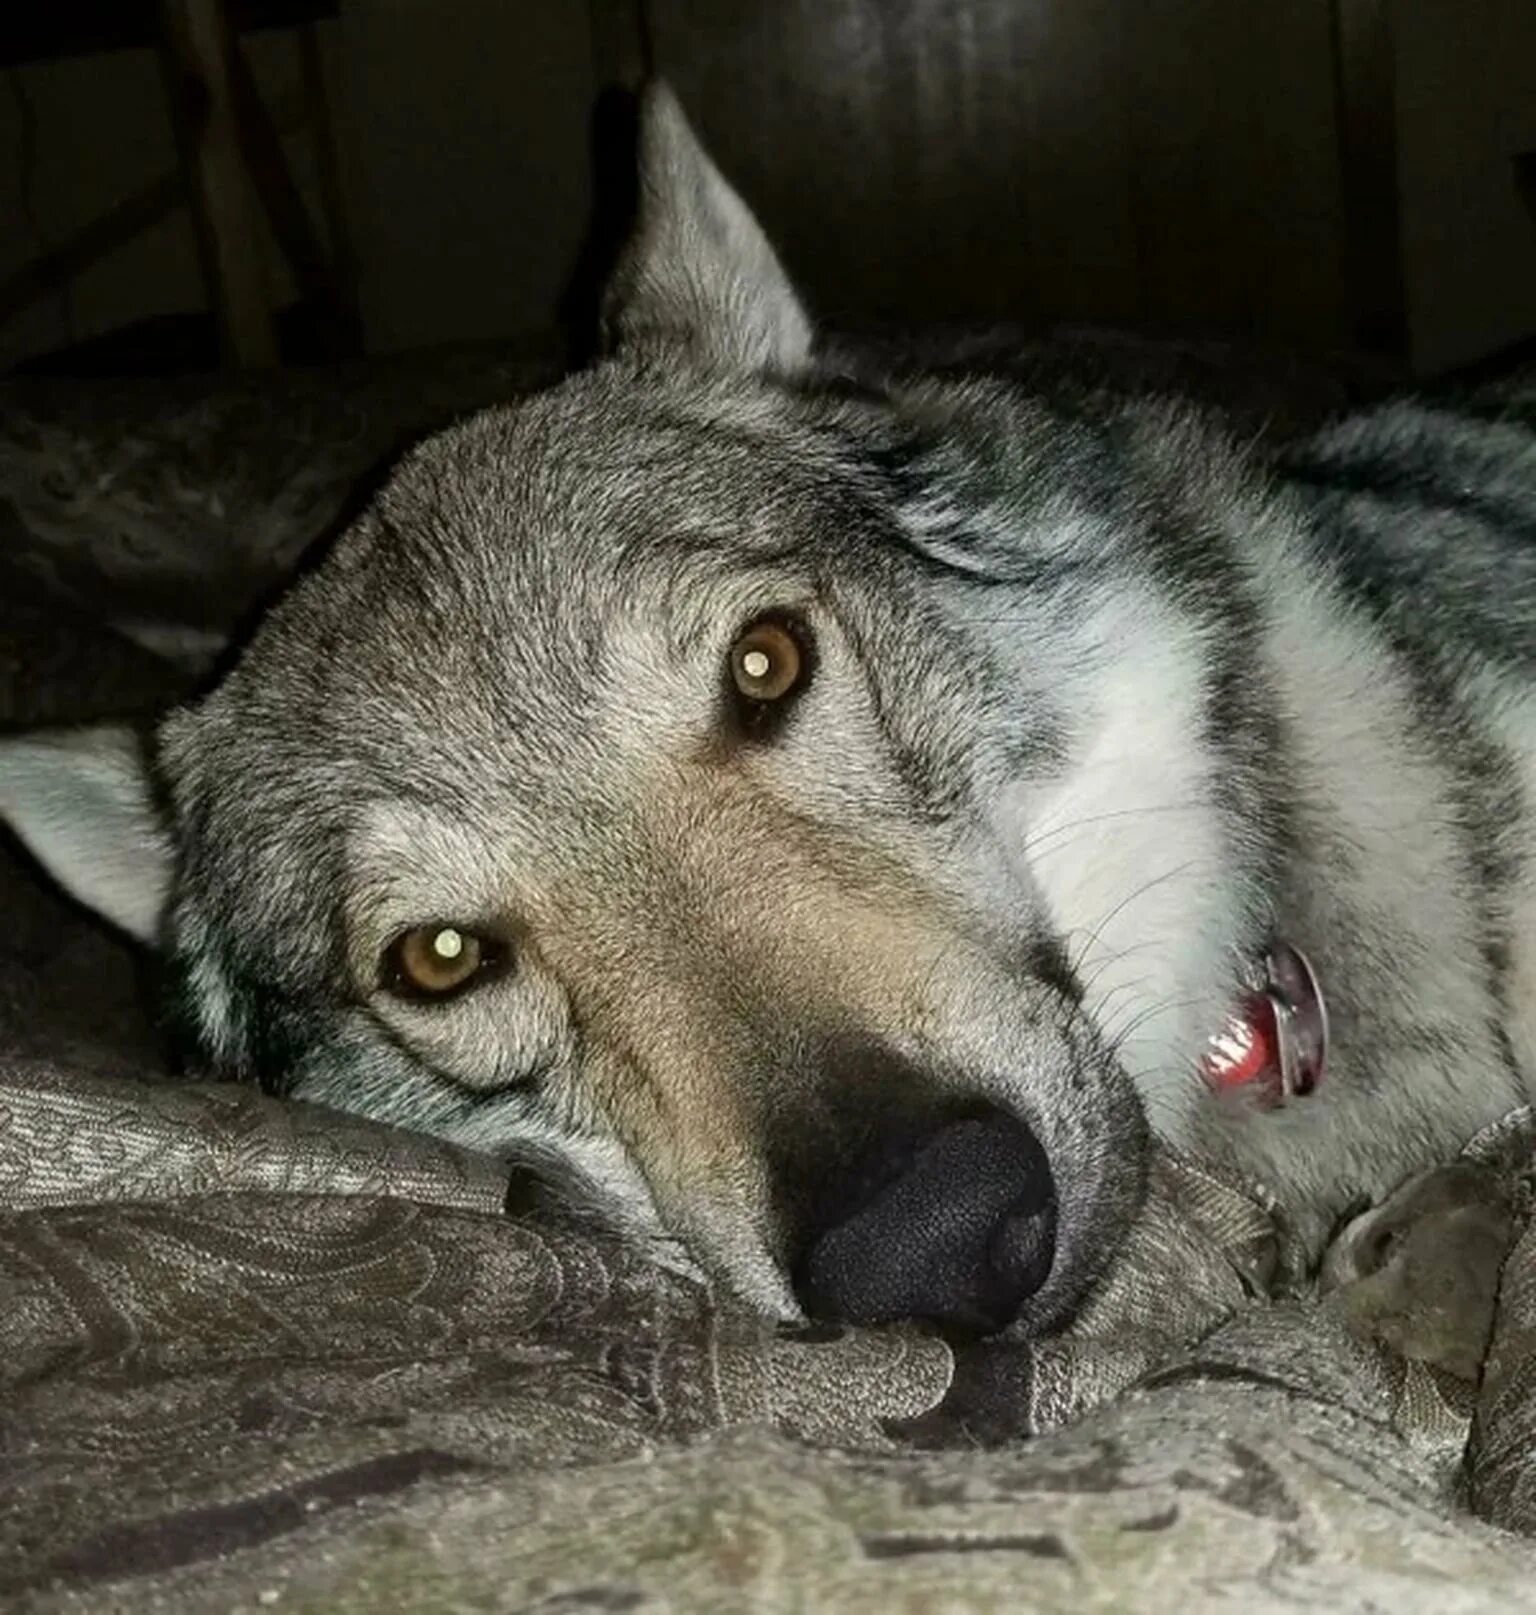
point(435, 961)
point(766, 662)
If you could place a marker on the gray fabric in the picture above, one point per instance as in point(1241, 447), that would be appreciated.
point(167, 508)
point(73, 1136)
point(255, 1356)
point(258, 1393)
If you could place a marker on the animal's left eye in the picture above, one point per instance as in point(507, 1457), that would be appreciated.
point(436, 961)
point(768, 661)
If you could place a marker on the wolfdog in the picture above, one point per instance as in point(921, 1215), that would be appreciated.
point(830, 814)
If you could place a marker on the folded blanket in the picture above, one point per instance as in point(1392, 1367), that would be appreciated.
point(257, 1356)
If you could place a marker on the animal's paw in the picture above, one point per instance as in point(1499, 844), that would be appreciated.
point(1419, 1274)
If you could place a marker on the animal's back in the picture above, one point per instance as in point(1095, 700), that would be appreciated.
point(1426, 509)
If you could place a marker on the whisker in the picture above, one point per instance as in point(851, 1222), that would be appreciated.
point(1119, 1039)
point(1120, 987)
point(1088, 983)
point(1110, 956)
point(1033, 842)
point(1139, 892)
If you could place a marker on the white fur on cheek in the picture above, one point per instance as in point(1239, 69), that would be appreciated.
point(1126, 852)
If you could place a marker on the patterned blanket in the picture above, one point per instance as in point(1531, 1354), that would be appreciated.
point(256, 1356)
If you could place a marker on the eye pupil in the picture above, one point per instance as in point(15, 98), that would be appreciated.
point(755, 664)
point(448, 943)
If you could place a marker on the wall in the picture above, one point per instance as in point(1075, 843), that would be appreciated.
point(1172, 163)
point(467, 159)
point(1466, 96)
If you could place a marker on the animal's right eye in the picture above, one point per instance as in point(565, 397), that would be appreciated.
point(437, 961)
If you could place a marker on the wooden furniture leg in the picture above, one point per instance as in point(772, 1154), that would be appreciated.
point(198, 54)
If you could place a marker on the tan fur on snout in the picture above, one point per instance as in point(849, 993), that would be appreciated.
point(721, 957)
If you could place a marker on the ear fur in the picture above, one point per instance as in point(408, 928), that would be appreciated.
point(82, 802)
point(698, 273)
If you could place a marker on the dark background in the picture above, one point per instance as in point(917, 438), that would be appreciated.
point(1336, 176)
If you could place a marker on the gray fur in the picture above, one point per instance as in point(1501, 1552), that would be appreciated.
point(1100, 706)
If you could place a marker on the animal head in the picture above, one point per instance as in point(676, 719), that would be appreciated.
point(622, 790)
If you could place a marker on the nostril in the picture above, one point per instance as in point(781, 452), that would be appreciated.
point(958, 1227)
point(1022, 1251)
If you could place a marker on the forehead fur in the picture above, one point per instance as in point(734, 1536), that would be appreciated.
point(518, 530)
point(470, 606)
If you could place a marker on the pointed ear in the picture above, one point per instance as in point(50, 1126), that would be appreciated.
point(82, 803)
point(698, 272)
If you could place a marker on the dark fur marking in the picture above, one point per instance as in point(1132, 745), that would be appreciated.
point(1427, 489)
point(933, 780)
point(1482, 773)
point(268, 1032)
point(1240, 712)
point(1048, 962)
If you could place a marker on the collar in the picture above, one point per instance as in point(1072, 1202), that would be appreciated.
point(1274, 1045)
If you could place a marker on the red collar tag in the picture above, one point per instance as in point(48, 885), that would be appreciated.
point(1275, 1043)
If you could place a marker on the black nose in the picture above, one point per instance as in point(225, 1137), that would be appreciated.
point(957, 1225)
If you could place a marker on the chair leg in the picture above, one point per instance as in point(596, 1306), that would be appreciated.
point(322, 133)
point(316, 275)
point(197, 55)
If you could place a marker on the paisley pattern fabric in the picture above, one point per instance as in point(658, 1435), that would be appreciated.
point(257, 1356)
point(267, 1358)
